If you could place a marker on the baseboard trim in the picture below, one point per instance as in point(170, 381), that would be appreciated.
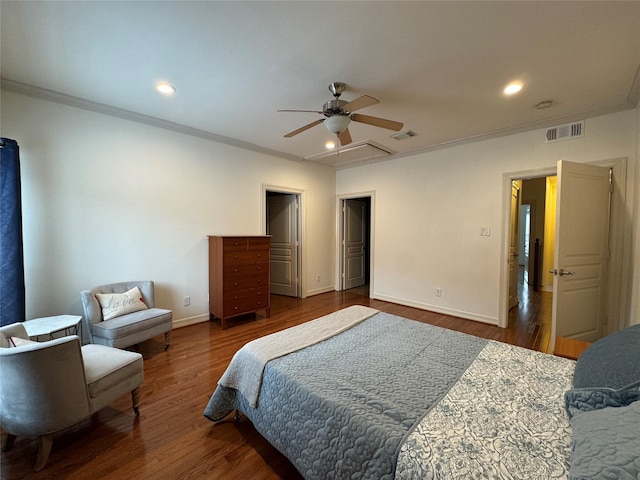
point(318, 291)
point(185, 322)
point(437, 309)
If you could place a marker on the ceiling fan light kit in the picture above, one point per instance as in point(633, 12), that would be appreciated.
point(339, 114)
point(337, 124)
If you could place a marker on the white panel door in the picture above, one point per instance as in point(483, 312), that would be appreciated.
point(355, 240)
point(282, 225)
point(581, 250)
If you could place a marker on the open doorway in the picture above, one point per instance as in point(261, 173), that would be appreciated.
point(531, 230)
point(282, 223)
point(355, 245)
point(615, 288)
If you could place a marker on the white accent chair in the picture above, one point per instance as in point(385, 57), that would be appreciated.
point(131, 328)
point(49, 386)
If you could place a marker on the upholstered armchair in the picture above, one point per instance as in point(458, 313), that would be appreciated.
point(119, 316)
point(49, 386)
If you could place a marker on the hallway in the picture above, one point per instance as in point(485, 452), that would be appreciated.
point(532, 316)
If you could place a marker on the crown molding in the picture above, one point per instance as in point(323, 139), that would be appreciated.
point(77, 102)
point(82, 103)
point(504, 132)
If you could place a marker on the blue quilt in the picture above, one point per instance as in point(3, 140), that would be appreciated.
point(341, 408)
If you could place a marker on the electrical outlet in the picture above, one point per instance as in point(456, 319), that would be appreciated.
point(186, 301)
point(438, 292)
point(318, 278)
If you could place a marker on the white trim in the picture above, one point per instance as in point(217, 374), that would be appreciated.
point(185, 322)
point(437, 309)
point(302, 259)
point(77, 102)
point(339, 235)
point(503, 292)
point(84, 104)
point(620, 262)
point(318, 291)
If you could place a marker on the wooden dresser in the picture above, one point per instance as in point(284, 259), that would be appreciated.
point(238, 276)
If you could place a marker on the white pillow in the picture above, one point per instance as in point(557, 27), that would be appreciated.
point(116, 304)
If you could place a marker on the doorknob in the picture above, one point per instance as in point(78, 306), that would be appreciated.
point(561, 272)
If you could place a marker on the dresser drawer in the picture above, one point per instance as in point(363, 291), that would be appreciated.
point(245, 276)
point(234, 244)
point(244, 301)
point(259, 243)
point(245, 258)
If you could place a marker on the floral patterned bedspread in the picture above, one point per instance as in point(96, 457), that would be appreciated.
point(503, 419)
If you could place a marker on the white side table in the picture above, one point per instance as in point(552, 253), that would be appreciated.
point(70, 324)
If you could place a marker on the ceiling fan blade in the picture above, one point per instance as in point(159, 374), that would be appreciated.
point(307, 111)
point(302, 129)
point(344, 137)
point(376, 121)
point(360, 102)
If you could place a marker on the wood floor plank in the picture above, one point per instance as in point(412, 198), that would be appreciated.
point(171, 439)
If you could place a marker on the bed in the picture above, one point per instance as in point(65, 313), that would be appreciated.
point(361, 393)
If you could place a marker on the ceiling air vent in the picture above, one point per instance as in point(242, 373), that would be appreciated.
point(403, 135)
point(565, 132)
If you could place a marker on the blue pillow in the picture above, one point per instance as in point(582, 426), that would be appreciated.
point(611, 362)
point(606, 444)
point(588, 399)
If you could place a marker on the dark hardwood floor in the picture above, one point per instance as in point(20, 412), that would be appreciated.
point(172, 440)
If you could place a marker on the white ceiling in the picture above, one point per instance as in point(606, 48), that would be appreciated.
point(439, 67)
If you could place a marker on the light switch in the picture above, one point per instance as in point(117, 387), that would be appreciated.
point(485, 231)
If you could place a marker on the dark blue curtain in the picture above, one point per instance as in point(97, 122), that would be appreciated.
point(12, 300)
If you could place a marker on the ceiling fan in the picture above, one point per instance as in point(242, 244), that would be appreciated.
point(339, 114)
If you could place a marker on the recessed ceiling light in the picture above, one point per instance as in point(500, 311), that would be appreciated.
point(165, 88)
point(512, 88)
point(330, 145)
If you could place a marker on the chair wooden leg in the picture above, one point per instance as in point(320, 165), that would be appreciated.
point(7, 441)
point(167, 340)
point(45, 443)
point(135, 399)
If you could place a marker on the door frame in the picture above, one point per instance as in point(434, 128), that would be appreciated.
point(340, 200)
point(617, 295)
point(300, 194)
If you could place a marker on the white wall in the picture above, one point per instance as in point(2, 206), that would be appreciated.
point(106, 199)
point(430, 208)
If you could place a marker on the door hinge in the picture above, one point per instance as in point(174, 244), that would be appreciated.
point(611, 180)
